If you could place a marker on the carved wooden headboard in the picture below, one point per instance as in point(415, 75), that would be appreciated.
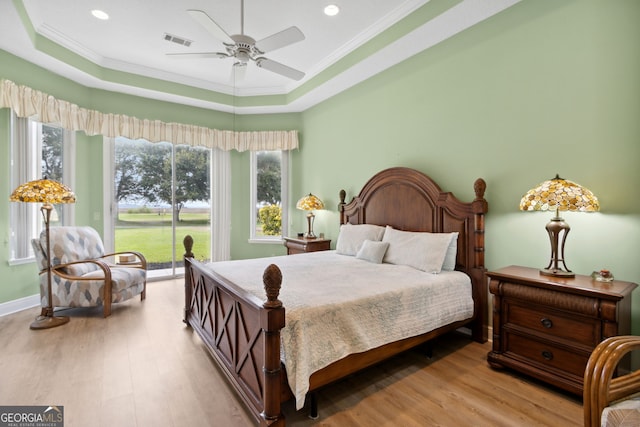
point(409, 200)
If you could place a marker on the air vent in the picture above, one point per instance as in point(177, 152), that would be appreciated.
point(179, 40)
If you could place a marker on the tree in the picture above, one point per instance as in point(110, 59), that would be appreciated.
point(52, 152)
point(191, 171)
point(192, 176)
point(268, 183)
point(268, 179)
point(127, 171)
point(154, 168)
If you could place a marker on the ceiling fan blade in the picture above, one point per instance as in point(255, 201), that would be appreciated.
point(210, 25)
point(199, 55)
point(278, 40)
point(279, 68)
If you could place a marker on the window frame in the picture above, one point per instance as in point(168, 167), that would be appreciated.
point(285, 159)
point(25, 219)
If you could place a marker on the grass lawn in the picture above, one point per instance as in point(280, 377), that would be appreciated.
point(151, 234)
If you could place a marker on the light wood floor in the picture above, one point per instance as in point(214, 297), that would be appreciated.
point(143, 367)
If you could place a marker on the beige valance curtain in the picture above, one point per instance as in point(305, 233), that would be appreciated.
point(28, 102)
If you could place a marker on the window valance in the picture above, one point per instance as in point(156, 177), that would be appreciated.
point(28, 102)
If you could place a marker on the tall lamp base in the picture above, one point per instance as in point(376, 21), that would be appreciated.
point(46, 322)
point(47, 319)
point(309, 234)
point(557, 230)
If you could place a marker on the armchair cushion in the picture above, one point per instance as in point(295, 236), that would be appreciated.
point(125, 282)
point(624, 413)
point(69, 244)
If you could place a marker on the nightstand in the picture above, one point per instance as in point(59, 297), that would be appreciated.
point(300, 245)
point(547, 327)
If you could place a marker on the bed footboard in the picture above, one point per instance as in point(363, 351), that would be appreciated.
point(241, 332)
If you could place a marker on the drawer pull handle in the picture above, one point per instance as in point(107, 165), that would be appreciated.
point(547, 355)
point(547, 323)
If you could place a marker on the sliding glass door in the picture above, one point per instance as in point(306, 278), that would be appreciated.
point(160, 193)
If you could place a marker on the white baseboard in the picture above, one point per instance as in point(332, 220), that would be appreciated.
point(19, 304)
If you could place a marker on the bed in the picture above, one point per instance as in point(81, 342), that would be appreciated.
point(242, 320)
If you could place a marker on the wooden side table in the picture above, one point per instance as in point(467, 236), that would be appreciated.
point(300, 245)
point(547, 327)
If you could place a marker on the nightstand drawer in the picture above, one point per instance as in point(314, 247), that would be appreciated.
point(578, 329)
point(548, 355)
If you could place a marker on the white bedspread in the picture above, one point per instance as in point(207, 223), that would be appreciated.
point(337, 305)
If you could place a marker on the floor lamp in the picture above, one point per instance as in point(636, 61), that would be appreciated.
point(48, 193)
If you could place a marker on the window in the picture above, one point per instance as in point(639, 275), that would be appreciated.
point(269, 195)
point(37, 151)
point(160, 192)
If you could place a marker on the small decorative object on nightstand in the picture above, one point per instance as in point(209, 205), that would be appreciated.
point(602, 276)
point(547, 327)
point(301, 245)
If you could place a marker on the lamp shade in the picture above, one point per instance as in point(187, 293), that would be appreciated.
point(43, 191)
point(309, 203)
point(560, 195)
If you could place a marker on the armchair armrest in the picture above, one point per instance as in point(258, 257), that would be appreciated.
point(600, 386)
point(60, 270)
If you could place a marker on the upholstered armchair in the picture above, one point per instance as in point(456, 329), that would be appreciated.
point(83, 275)
point(611, 400)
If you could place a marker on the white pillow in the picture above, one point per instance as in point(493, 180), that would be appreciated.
point(372, 251)
point(449, 263)
point(423, 251)
point(352, 236)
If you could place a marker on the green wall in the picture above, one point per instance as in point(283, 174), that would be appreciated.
point(544, 87)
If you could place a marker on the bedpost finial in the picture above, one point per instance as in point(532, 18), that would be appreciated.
point(479, 187)
point(272, 279)
point(188, 246)
point(343, 195)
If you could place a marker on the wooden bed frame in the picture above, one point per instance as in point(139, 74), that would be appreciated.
point(242, 332)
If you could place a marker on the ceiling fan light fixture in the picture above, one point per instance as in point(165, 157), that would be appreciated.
point(331, 10)
point(243, 56)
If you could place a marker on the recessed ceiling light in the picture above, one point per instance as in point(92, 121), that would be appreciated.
point(100, 14)
point(331, 10)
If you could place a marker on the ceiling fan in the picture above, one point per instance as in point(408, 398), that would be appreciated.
point(244, 49)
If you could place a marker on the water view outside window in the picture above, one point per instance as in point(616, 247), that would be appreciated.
point(162, 193)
